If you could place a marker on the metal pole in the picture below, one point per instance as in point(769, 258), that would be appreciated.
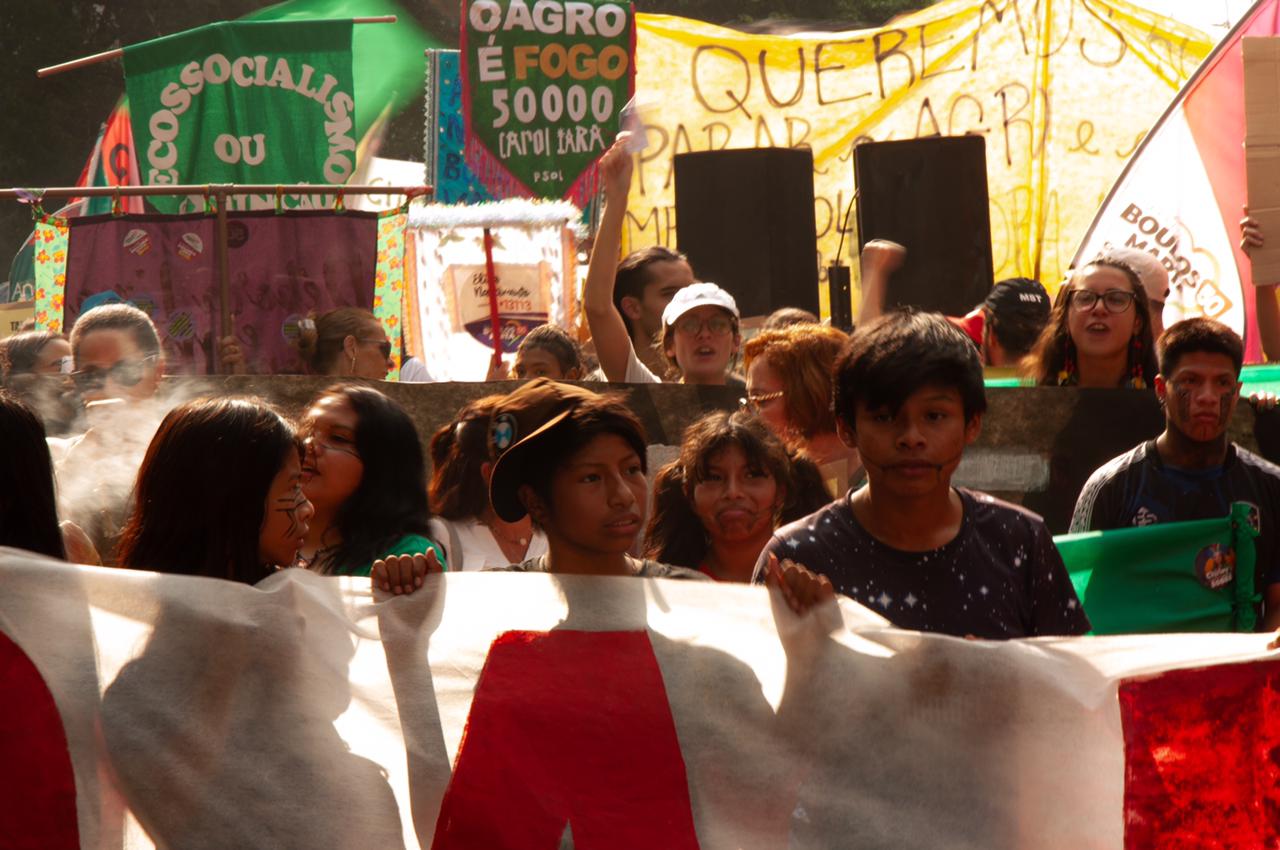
point(203, 189)
point(119, 51)
point(224, 267)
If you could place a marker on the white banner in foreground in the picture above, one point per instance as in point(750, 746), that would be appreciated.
point(532, 711)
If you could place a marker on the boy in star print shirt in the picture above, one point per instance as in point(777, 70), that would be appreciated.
point(926, 555)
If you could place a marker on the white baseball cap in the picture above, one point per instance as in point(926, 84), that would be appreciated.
point(1150, 271)
point(698, 295)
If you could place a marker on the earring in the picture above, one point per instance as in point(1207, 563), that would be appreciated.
point(353, 364)
point(1067, 377)
point(1137, 379)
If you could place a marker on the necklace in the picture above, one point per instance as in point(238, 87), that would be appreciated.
point(503, 537)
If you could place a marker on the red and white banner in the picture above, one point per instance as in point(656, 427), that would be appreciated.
point(1180, 197)
point(534, 711)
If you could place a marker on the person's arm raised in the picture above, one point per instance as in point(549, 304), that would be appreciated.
point(1266, 309)
point(879, 259)
point(608, 329)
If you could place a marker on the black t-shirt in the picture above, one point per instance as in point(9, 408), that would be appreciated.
point(1138, 488)
point(1000, 577)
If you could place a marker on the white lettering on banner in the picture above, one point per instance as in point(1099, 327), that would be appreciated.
point(524, 142)
point(231, 150)
point(1193, 272)
point(246, 72)
point(549, 18)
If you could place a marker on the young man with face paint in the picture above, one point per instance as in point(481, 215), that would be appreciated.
point(928, 556)
point(1191, 471)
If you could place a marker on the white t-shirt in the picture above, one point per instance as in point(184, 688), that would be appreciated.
point(637, 372)
point(414, 371)
point(480, 551)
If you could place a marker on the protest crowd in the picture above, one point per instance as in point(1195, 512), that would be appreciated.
point(836, 483)
point(834, 476)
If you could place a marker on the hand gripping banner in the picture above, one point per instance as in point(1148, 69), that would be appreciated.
point(536, 712)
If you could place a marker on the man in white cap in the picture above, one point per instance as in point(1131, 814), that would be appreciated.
point(700, 333)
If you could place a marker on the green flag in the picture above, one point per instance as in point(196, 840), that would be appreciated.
point(1170, 577)
point(260, 102)
point(543, 92)
point(387, 59)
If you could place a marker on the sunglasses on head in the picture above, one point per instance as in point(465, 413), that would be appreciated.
point(126, 373)
point(382, 345)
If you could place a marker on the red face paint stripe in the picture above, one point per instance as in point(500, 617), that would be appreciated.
point(37, 782)
point(568, 727)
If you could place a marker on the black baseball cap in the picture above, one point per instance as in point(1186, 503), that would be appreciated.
point(521, 422)
point(1019, 295)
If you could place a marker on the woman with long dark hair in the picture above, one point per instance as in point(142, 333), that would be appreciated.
point(28, 509)
point(473, 536)
point(364, 472)
point(219, 494)
point(1099, 333)
point(717, 505)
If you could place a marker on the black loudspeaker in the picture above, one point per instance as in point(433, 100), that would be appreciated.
point(745, 220)
point(931, 196)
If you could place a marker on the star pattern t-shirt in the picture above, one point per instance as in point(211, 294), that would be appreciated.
point(999, 577)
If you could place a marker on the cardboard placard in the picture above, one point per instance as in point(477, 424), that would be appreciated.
point(1262, 150)
point(13, 314)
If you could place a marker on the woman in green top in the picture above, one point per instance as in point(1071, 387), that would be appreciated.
point(364, 472)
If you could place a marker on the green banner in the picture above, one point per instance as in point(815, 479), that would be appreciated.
point(544, 85)
point(261, 102)
point(1170, 577)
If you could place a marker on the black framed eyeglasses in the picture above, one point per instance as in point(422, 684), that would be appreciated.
point(382, 345)
point(125, 373)
point(1115, 300)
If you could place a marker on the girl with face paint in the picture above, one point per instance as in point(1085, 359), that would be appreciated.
point(717, 505)
point(219, 494)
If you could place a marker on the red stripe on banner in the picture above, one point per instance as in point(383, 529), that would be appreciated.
point(1214, 109)
point(1202, 758)
point(37, 782)
point(572, 729)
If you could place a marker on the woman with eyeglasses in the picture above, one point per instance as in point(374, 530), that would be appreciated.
point(36, 367)
point(364, 472)
point(700, 335)
point(347, 342)
point(1098, 334)
point(789, 386)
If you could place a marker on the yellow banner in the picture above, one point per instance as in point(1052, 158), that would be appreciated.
point(1063, 91)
